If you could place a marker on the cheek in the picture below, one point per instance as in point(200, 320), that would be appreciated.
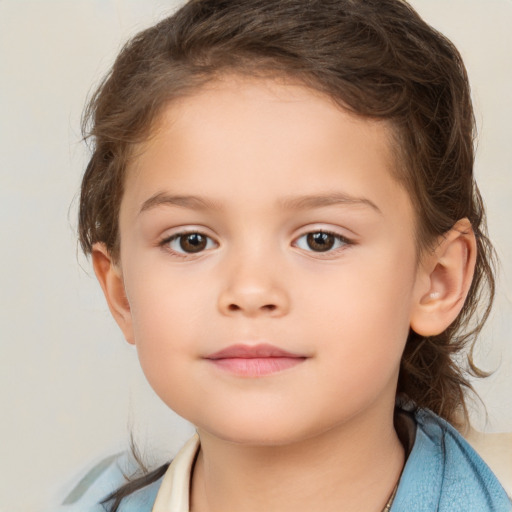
point(361, 320)
point(165, 303)
point(173, 317)
point(162, 319)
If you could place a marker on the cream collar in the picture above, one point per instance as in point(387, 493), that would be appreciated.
point(173, 495)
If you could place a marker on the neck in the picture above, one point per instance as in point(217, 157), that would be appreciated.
point(352, 467)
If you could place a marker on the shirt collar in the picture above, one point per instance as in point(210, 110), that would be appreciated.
point(173, 495)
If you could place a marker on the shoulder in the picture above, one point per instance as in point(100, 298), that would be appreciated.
point(104, 478)
point(445, 474)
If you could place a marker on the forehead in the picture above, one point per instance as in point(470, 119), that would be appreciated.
point(259, 139)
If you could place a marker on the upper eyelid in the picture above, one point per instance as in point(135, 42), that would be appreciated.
point(337, 232)
point(328, 231)
point(181, 231)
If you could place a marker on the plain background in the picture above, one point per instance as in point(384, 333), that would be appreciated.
point(70, 387)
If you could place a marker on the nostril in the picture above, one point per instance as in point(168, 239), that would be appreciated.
point(266, 307)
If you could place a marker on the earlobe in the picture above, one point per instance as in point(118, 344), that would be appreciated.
point(444, 281)
point(110, 278)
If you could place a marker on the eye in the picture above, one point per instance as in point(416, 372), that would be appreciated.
point(188, 243)
point(321, 241)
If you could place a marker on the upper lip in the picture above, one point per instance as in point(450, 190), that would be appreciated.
point(251, 351)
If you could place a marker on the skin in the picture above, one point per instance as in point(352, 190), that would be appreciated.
point(251, 149)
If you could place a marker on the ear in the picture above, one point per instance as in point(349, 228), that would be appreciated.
point(110, 278)
point(443, 281)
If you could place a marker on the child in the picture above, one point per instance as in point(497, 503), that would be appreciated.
point(281, 211)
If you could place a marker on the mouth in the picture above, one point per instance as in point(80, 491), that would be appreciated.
point(254, 360)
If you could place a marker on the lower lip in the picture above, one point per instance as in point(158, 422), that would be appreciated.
point(256, 366)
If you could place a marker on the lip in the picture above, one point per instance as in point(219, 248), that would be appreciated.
point(254, 360)
point(261, 350)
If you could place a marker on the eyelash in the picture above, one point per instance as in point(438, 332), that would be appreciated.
point(165, 243)
point(343, 241)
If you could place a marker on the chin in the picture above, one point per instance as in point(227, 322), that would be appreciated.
point(259, 431)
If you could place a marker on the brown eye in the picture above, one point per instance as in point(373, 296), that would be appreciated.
point(193, 242)
point(320, 242)
point(188, 243)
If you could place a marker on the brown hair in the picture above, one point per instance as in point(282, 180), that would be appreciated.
point(376, 58)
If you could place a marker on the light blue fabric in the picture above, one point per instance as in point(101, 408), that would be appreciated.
point(101, 481)
point(442, 474)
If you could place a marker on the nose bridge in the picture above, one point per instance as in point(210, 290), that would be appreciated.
point(252, 280)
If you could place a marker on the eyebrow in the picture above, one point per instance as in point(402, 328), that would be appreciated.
point(329, 199)
point(183, 201)
point(292, 203)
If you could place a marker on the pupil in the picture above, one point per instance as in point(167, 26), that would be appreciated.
point(193, 242)
point(320, 242)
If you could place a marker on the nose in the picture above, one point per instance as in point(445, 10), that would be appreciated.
point(254, 289)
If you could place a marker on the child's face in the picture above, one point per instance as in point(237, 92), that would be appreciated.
point(255, 167)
